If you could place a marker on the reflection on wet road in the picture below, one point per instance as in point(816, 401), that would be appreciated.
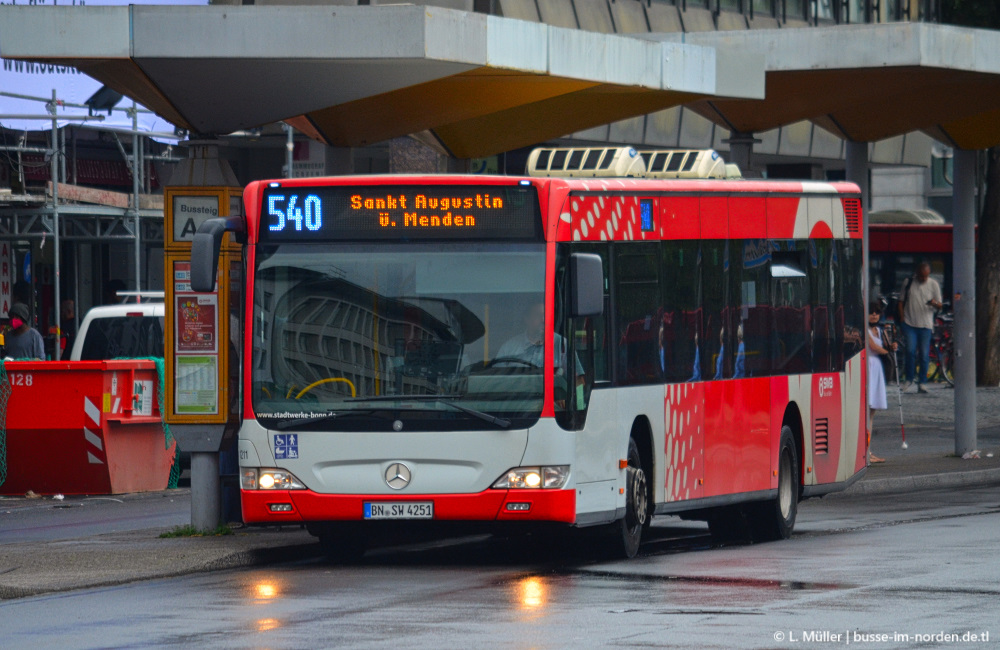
point(915, 564)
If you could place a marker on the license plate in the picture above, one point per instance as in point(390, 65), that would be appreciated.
point(398, 510)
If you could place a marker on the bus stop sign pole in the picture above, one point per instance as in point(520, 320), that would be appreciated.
point(201, 365)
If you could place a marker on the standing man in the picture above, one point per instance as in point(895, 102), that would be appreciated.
point(23, 341)
point(918, 300)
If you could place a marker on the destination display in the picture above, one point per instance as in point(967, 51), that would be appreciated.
point(400, 212)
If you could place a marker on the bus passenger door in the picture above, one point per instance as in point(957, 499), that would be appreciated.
point(596, 460)
point(591, 410)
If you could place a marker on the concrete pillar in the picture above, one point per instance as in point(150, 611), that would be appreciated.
point(857, 173)
point(206, 494)
point(741, 150)
point(964, 299)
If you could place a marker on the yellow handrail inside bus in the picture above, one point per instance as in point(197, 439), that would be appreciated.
point(350, 384)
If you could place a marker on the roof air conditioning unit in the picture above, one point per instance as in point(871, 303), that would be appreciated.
point(586, 162)
point(687, 163)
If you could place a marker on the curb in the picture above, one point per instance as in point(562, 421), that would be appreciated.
point(260, 557)
point(971, 478)
point(235, 560)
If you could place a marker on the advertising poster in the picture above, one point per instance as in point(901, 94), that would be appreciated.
point(197, 315)
point(196, 346)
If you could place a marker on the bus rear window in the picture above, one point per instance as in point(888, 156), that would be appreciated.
point(123, 336)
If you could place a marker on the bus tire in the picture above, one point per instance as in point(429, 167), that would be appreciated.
point(627, 532)
point(342, 545)
point(775, 519)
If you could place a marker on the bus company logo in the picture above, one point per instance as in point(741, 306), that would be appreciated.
point(825, 386)
point(397, 476)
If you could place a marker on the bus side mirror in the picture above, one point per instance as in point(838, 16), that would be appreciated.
point(205, 251)
point(587, 278)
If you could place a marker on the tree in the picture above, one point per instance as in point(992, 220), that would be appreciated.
point(984, 13)
point(988, 278)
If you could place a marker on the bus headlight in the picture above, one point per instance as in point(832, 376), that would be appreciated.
point(555, 476)
point(519, 478)
point(269, 479)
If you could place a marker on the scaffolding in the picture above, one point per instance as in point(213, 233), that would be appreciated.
point(30, 217)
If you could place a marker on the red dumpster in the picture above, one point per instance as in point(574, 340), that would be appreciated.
point(84, 427)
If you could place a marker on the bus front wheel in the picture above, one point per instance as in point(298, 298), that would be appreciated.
point(627, 532)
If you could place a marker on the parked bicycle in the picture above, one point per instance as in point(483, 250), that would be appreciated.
point(942, 365)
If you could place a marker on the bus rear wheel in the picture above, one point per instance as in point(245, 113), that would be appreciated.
point(775, 519)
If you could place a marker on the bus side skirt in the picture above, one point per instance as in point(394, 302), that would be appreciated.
point(826, 488)
point(714, 502)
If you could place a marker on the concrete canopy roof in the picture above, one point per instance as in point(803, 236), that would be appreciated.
point(357, 75)
point(868, 82)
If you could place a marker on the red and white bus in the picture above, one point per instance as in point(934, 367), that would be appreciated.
point(578, 351)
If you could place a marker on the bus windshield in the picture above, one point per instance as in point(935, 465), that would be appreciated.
point(395, 336)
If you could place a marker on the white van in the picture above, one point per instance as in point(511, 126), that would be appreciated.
point(127, 330)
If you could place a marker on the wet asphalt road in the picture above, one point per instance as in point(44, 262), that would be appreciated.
point(890, 565)
point(30, 520)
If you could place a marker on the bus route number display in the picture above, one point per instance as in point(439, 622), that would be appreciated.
point(399, 212)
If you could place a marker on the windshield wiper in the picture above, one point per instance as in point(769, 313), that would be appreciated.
point(503, 423)
point(404, 398)
point(326, 417)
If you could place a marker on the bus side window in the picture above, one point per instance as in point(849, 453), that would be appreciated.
point(791, 329)
point(680, 330)
point(853, 327)
point(749, 322)
point(637, 292)
point(837, 304)
point(716, 362)
point(823, 303)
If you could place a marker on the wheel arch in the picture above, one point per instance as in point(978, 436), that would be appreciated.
point(793, 420)
point(642, 433)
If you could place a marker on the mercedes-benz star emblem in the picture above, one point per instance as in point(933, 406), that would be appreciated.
point(397, 476)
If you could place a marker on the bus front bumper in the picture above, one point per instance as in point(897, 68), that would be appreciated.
point(294, 506)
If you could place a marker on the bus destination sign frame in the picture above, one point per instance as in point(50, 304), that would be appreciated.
point(395, 212)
